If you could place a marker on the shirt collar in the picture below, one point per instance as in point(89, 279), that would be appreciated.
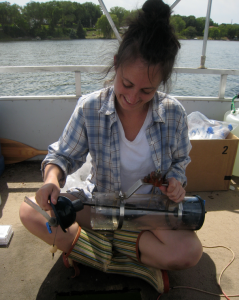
point(158, 107)
point(108, 106)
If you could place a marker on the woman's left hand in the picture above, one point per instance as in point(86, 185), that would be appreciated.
point(174, 190)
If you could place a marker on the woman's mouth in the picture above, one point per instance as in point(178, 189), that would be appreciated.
point(127, 100)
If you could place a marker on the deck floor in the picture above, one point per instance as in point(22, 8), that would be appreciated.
point(28, 271)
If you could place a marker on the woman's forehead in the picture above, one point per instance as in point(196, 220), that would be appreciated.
point(141, 69)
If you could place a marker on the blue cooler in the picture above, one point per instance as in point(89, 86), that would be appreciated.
point(1, 162)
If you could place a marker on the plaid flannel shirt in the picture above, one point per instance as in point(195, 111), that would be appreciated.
point(93, 129)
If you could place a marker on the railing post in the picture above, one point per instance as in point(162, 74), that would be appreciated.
point(203, 56)
point(222, 86)
point(112, 24)
point(174, 4)
point(78, 83)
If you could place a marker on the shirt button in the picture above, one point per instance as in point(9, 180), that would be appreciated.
point(152, 143)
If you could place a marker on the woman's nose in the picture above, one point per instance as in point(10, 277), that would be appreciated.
point(133, 97)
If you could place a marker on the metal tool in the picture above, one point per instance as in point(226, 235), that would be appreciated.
point(52, 221)
point(136, 186)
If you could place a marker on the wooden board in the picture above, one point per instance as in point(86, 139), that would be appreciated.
point(14, 152)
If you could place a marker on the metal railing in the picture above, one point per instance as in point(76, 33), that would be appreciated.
point(78, 69)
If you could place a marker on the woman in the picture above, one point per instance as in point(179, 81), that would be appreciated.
point(130, 130)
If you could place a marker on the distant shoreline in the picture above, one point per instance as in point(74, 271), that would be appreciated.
point(94, 38)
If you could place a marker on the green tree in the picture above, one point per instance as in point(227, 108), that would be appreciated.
point(80, 32)
point(120, 12)
point(73, 34)
point(14, 13)
point(105, 27)
point(178, 23)
point(223, 30)
point(231, 31)
point(190, 32)
point(53, 13)
point(67, 13)
point(214, 33)
point(13, 31)
point(12, 20)
point(189, 20)
point(34, 13)
point(22, 24)
point(237, 30)
point(200, 25)
point(4, 13)
point(79, 11)
point(92, 13)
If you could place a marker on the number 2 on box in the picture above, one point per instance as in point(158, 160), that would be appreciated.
point(225, 151)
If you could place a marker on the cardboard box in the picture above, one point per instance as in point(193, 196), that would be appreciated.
point(212, 164)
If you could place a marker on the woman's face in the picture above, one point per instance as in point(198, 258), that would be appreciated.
point(135, 85)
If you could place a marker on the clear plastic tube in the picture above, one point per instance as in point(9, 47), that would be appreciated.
point(145, 212)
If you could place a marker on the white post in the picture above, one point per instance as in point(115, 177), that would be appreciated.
point(110, 21)
point(78, 83)
point(174, 4)
point(203, 57)
point(222, 87)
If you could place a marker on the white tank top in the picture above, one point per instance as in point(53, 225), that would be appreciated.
point(135, 157)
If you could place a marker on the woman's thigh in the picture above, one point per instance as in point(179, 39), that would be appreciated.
point(170, 249)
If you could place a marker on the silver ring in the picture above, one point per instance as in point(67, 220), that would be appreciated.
point(121, 216)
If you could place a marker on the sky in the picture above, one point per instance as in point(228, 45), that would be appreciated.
point(222, 11)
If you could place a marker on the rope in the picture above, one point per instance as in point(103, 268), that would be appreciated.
point(219, 279)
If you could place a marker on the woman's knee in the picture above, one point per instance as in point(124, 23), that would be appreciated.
point(28, 215)
point(188, 255)
point(25, 213)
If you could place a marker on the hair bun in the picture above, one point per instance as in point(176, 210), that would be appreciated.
point(157, 8)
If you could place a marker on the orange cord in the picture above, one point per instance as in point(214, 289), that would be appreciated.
point(219, 279)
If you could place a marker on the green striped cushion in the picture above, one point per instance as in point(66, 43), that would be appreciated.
point(92, 249)
point(123, 265)
point(95, 250)
point(125, 242)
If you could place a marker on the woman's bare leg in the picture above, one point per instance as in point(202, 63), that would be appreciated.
point(36, 224)
point(170, 249)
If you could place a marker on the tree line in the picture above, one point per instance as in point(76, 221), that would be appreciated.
point(49, 19)
point(191, 27)
point(66, 19)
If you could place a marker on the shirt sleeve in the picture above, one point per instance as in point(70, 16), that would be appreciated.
point(70, 151)
point(180, 155)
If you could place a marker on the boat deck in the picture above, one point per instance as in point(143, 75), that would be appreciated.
point(28, 271)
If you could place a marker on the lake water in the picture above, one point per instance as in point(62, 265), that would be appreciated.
point(220, 54)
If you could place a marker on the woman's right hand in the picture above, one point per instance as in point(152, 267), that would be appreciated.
point(45, 193)
point(51, 188)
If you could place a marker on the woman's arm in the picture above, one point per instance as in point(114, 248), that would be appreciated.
point(51, 187)
point(180, 159)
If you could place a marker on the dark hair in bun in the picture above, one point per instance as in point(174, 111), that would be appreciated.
point(151, 38)
point(156, 8)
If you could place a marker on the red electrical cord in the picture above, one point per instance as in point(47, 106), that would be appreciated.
point(219, 279)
